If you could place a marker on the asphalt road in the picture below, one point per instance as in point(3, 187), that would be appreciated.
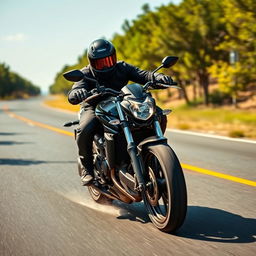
point(45, 211)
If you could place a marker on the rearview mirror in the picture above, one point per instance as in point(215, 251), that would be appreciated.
point(169, 61)
point(74, 75)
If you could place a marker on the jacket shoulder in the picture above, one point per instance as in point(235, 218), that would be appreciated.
point(124, 66)
point(86, 70)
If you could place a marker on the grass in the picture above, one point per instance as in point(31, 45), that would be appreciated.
point(224, 121)
point(61, 102)
point(183, 126)
point(224, 115)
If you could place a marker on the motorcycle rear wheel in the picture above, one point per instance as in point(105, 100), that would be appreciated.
point(98, 197)
point(166, 197)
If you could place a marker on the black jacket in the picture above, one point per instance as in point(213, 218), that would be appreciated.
point(119, 77)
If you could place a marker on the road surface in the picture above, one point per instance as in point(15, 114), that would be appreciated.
point(45, 211)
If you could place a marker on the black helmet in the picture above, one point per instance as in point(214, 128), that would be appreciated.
point(102, 56)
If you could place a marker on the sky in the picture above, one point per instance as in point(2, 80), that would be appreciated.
point(39, 37)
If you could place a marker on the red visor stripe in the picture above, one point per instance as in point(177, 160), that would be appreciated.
point(103, 63)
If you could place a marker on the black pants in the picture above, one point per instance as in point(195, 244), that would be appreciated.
point(85, 132)
point(89, 125)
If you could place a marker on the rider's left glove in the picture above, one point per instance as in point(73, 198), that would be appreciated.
point(163, 79)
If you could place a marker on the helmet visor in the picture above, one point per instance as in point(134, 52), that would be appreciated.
point(104, 63)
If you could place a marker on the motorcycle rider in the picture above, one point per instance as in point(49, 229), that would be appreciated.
point(103, 67)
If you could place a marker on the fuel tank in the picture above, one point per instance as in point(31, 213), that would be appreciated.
point(106, 111)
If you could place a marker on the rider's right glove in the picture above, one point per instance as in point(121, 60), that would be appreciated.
point(77, 96)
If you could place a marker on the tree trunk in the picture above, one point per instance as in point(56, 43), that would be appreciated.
point(204, 82)
point(194, 85)
point(184, 91)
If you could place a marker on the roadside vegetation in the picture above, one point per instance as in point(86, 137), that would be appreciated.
point(14, 86)
point(227, 122)
point(215, 41)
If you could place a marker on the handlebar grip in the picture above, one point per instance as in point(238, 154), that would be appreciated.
point(112, 91)
point(172, 83)
point(91, 97)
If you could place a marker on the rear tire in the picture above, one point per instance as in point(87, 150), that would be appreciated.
point(98, 197)
point(166, 197)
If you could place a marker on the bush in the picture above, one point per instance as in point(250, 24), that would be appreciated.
point(184, 126)
point(219, 98)
point(236, 134)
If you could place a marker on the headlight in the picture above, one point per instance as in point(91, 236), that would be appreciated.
point(142, 111)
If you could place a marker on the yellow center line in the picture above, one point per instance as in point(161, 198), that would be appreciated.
point(185, 166)
point(219, 175)
point(5, 108)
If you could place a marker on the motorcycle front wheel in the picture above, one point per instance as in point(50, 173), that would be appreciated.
point(165, 196)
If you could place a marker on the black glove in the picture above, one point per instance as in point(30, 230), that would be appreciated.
point(163, 79)
point(77, 96)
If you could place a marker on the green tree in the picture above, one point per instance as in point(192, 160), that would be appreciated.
point(230, 78)
point(201, 33)
point(193, 31)
point(240, 21)
point(14, 86)
point(138, 45)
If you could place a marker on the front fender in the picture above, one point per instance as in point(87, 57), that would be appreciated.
point(153, 140)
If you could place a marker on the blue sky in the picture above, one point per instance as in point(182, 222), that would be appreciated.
point(38, 37)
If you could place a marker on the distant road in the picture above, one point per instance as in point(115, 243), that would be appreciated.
point(45, 211)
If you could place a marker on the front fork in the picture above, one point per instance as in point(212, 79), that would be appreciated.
point(132, 147)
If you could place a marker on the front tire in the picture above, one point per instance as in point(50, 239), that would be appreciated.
point(165, 197)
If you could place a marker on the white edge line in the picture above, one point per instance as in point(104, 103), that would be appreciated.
point(211, 136)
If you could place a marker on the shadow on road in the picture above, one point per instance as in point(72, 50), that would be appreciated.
point(17, 161)
point(8, 133)
point(202, 223)
point(133, 212)
point(9, 143)
point(216, 225)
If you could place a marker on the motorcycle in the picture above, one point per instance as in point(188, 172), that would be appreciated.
point(132, 159)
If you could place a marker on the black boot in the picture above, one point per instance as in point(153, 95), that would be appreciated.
point(86, 174)
point(86, 177)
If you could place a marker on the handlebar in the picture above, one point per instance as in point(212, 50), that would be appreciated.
point(102, 90)
point(95, 93)
point(164, 86)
